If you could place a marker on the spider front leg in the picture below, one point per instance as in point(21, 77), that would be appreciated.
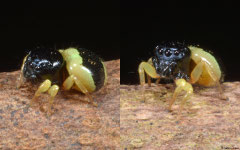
point(150, 71)
point(52, 91)
point(69, 82)
point(182, 85)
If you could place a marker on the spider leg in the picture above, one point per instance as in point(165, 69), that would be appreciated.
point(196, 72)
point(41, 89)
point(84, 90)
point(216, 80)
point(150, 71)
point(52, 91)
point(158, 80)
point(20, 79)
point(69, 82)
point(149, 80)
point(149, 77)
point(175, 94)
point(182, 85)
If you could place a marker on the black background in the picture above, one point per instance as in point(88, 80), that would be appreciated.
point(135, 30)
point(24, 26)
point(211, 25)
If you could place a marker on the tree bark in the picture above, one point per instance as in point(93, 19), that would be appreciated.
point(74, 124)
point(207, 122)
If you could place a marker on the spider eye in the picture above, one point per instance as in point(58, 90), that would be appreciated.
point(176, 53)
point(168, 53)
point(160, 52)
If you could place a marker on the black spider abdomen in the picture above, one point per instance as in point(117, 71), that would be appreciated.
point(94, 63)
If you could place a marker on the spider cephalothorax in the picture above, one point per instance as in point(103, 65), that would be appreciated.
point(42, 64)
point(171, 60)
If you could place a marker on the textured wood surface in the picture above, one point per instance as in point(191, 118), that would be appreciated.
point(75, 124)
point(207, 122)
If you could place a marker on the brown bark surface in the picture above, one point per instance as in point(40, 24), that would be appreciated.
point(74, 124)
point(207, 122)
